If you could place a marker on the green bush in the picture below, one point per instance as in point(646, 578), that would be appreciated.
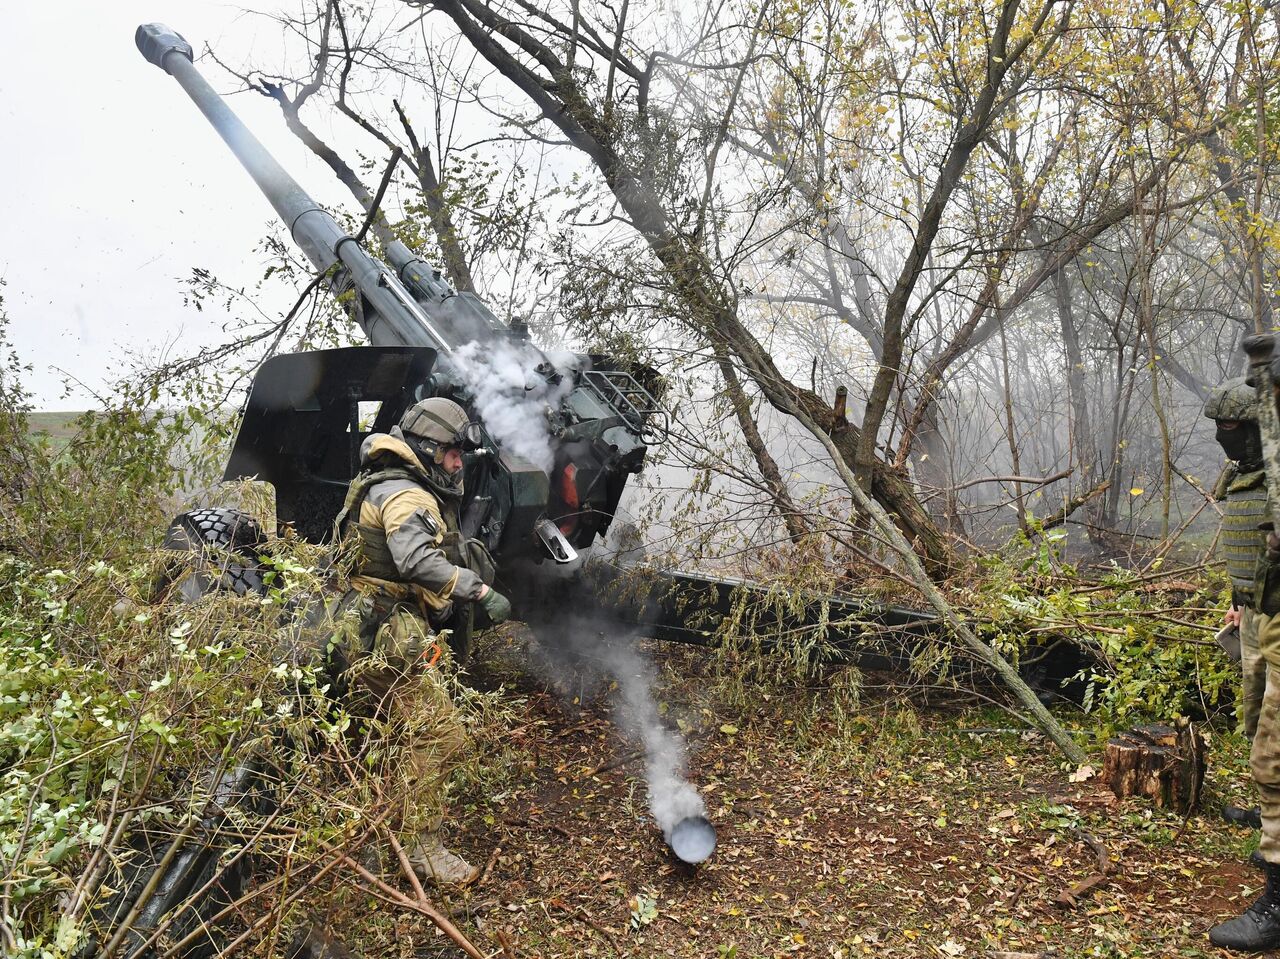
point(1152, 661)
point(119, 708)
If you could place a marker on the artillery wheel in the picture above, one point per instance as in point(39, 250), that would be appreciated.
point(195, 918)
point(215, 549)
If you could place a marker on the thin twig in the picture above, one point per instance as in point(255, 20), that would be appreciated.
point(22, 835)
point(1071, 896)
point(550, 827)
point(376, 204)
point(508, 950)
point(425, 908)
point(96, 868)
point(338, 854)
point(581, 915)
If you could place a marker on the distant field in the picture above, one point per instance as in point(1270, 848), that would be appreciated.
point(59, 427)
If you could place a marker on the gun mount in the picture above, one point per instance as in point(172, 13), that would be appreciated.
point(307, 413)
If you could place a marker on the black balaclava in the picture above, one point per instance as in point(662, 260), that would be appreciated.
point(450, 483)
point(1242, 444)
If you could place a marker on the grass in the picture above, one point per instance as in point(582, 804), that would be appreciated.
point(58, 427)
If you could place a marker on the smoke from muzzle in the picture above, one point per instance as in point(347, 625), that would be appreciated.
point(511, 396)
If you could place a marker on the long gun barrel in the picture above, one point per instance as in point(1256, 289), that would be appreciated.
point(405, 306)
point(304, 419)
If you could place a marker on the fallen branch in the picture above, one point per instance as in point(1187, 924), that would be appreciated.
point(423, 907)
point(623, 760)
point(508, 950)
point(627, 758)
point(550, 827)
point(1070, 897)
point(406, 867)
point(337, 855)
point(1071, 505)
point(250, 935)
point(489, 864)
point(1145, 578)
point(946, 612)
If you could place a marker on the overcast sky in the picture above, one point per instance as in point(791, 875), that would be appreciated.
point(115, 186)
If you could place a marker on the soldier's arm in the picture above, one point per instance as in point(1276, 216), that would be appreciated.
point(415, 530)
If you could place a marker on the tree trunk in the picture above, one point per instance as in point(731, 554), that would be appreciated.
point(783, 504)
point(456, 267)
point(1081, 429)
point(1164, 763)
point(710, 311)
point(1011, 434)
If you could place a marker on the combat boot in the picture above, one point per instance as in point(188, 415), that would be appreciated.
point(1239, 816)
point(433, 862)
point(1259, 928)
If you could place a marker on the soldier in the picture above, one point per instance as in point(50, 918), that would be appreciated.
point(413, 574)
point(1255, 599)
point(1243, 493)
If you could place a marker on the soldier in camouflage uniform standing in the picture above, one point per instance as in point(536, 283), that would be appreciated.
point(1255, 598)
point(1243, 494)
point(415, 574)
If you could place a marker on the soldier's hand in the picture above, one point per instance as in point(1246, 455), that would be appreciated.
point(496, 606)
point(1273, 547)
point(1232, 617)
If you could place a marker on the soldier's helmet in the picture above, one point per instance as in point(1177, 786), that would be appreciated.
point(1233, 400)
point(439, 422)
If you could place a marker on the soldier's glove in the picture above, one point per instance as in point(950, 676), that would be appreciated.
point(1273, 547)
point(496, 606)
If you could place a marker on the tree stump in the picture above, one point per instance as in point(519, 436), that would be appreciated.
point(1163, 762)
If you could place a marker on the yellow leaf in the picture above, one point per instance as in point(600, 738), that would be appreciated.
point(1136, 491)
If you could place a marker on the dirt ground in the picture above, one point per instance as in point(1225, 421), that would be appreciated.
point(848, 826)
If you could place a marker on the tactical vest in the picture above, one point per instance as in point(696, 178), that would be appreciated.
point(1243, 543)
point(374, 557)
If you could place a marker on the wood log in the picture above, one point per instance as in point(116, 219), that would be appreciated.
point(1163, 762)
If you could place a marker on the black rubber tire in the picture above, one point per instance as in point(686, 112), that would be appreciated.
point(196, 864)
point(221, 552)
point(137, 871)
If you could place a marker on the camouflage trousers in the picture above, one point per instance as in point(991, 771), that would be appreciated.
point(398, 678)
point(1253, 667)
point(1264, 754)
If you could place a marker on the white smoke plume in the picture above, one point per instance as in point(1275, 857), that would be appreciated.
point(583, 657)
point(511, 396)
point(671, 795)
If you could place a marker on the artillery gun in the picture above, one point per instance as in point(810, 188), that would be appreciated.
point(307, 413)
point(301, 431)
point(303, 424)
point(302, 427)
